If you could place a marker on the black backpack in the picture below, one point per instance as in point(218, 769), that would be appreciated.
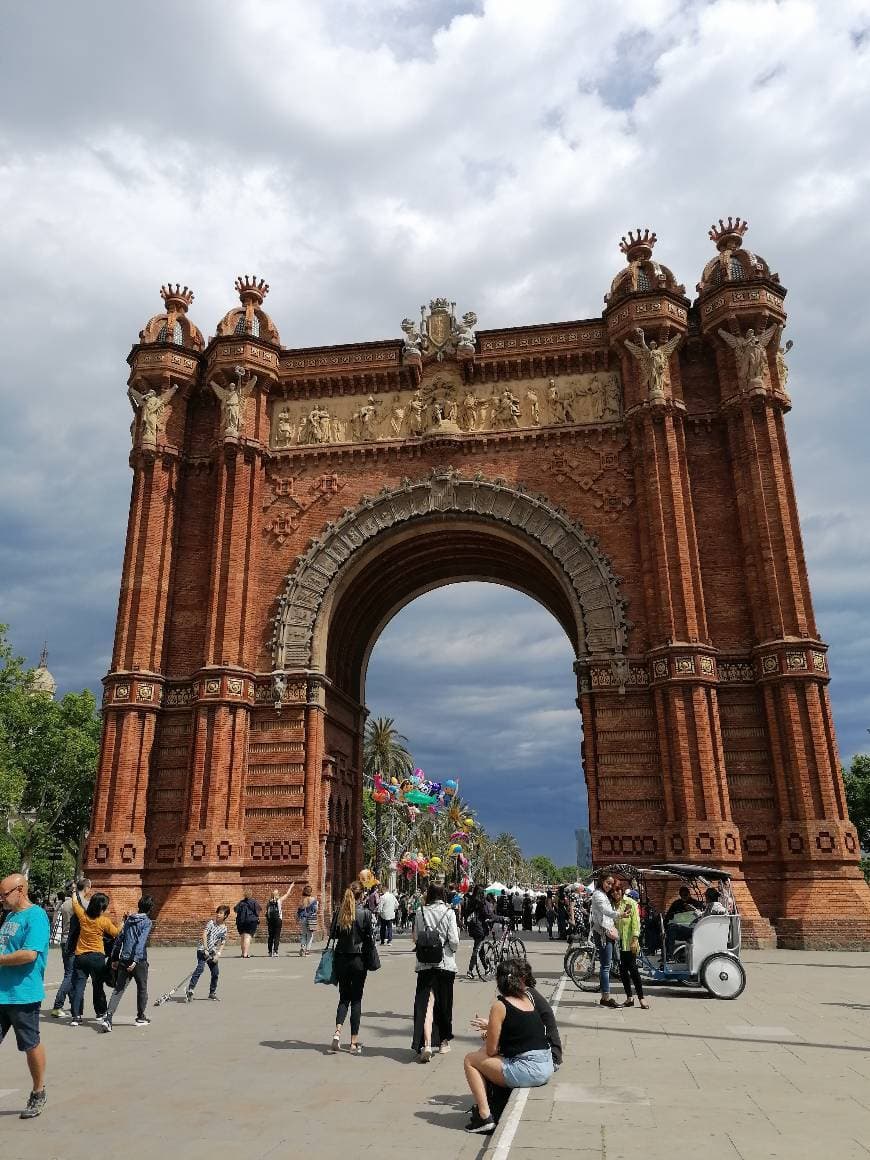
point(430, 946)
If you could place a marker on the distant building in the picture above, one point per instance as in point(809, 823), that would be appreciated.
point(584, 849)
point(42, 681)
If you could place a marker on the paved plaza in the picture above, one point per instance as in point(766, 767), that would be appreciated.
point(782, 1072)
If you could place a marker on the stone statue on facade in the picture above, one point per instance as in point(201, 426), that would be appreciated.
point(150, 407)
point(397, 417)
point(782, 365)
point(653, 360)
point(285, 428)
point(232, 399)
point(468, 413)
point(613, 398)
point(463, 331)
point(534, 409)
point(559, 405)
point(751, 353)
point(316, 427)
point(416, 415)
point(507, 409)
point(363, 421)
point(413, 344)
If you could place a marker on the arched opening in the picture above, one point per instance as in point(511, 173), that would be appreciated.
point(479, 677)
point(386, 552)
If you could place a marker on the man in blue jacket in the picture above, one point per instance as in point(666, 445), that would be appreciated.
point(130, 952)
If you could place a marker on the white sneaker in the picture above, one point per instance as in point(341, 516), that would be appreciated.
point(425, 1054)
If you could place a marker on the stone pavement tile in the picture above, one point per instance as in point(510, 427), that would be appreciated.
point(583, 1138)
point(780, 1146)
point(627, 1142)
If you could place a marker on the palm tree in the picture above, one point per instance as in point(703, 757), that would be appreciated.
point(384, 749)
point(384, 752)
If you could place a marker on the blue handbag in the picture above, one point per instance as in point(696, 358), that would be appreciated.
point(325, 972)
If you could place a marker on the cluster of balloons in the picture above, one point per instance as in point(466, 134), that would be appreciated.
point(417, 863)
point(414, 792)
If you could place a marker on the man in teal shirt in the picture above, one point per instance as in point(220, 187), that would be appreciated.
point(23, 951)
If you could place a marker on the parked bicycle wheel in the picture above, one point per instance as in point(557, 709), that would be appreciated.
point(584, 969)
point(514, 947)
point(487, 958)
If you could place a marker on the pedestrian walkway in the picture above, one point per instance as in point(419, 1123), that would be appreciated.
point(783, 1071)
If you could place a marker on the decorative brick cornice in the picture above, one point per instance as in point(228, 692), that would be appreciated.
point(164, 356)
point(788, 659)
point(219, 685)
point(740, 300)
point(682, 663)
point(134, 690)
point(253, 351)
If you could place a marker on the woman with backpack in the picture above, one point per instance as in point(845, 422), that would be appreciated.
point(247, 920)
point(275, 918)
point(436, 939)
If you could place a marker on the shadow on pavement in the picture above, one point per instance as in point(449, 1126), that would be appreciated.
point(721, 1038)
point(402, 1055)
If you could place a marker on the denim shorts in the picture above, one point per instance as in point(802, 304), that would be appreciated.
point(23, 1019)
point(531, 1069)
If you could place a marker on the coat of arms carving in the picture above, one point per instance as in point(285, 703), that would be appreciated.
point(440, 333)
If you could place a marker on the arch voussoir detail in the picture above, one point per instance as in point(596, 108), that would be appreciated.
point(589, 574)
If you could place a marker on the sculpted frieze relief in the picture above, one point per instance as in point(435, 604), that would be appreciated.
point(445, 405)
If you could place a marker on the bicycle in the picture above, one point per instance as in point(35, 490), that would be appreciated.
point(495, 948)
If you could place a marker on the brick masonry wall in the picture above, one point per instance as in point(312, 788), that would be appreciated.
point(703, 760)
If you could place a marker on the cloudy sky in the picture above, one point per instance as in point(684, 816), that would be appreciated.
point(364, 156)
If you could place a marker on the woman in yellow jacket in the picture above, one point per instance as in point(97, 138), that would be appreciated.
point(628, 927)
point(90, 955)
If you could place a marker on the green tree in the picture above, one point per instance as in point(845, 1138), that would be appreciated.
point(857, 781)
point(543, 869)
point(48, 761)
point(566, 874)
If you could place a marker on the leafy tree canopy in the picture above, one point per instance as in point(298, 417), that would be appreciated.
point(48, 760)
point(857, 782)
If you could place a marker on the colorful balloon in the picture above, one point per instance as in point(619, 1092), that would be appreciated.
point(455, 849)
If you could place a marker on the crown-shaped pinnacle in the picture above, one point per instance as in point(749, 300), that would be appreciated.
point(728, 235)
point(176, 297)
point(249, 286)
point(638, 246)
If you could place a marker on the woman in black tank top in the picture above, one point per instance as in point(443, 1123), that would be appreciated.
point(516, 1050)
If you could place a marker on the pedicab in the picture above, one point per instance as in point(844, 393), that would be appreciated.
point(706, 954)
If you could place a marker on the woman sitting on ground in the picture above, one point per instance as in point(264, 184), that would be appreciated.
point(516, 1052)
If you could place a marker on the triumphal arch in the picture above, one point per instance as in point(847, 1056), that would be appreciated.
point(630, 472)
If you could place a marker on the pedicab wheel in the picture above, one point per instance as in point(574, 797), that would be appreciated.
point(723, 976)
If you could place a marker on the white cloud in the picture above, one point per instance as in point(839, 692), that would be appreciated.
point(365, 156)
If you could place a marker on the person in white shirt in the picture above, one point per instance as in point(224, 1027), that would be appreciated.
point(388, 908)
point(601, 915)
point(433, 1000)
